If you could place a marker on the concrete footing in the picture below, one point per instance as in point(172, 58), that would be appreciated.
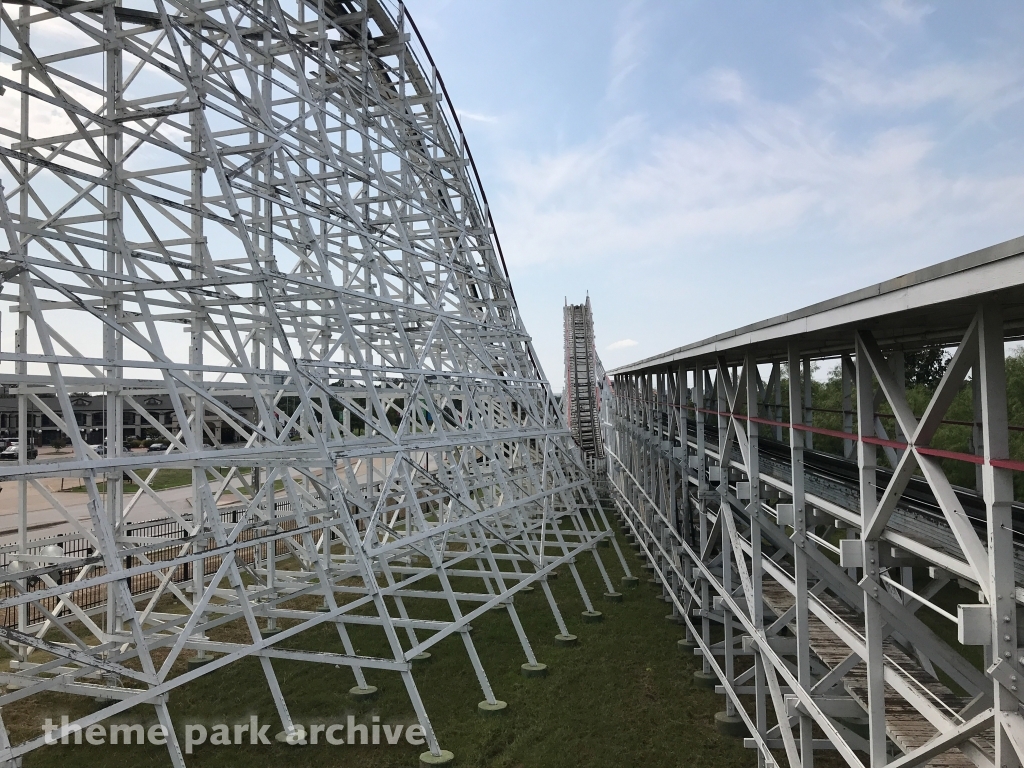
point(363, 693)
point(687, 646)
point(592, 617)
point(613, 597)
point(566, 639)
point(630, 582)
point(674, 618)
point(196, 663)
point(429, 758)
point(534, 670)
point(705, 679)
point(496, 707)
point(298, 736)
point(730, 725)
point(421, 658)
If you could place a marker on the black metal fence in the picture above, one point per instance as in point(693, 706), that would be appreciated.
point(90, 597)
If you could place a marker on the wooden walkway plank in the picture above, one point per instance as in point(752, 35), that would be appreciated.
point(905, 726)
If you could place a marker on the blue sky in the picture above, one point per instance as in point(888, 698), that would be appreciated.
point(697, 166)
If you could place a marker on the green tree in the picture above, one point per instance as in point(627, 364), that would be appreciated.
point(924, 371)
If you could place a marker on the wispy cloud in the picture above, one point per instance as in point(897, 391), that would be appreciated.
point(628, 49)
point(621, 344)
point(990, 84)
point(724, 85)
point(477, 117)
point(885, 21)
point(906, 11)
point(769, 169)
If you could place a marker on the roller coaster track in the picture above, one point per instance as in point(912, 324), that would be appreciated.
point(811, 582)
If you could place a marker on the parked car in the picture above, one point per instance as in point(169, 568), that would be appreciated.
point(157, 447)
point(101, 450)
point(10, 453)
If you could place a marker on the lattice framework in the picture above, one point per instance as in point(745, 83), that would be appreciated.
point(268, 203)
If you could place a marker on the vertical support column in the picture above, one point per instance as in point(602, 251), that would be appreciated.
point(112, 431)
point(754, 476)
point(687, 402)
point(849, 375)
point(260, 338)
point(699, 398)
point(685, 514)
point(667, 480)
point(195, 354)
point(21, 367)
point(847, 372)
point(267, 256)
point(650, 389)
point(867, 459)
point(998, 494)
point(798, 405)
point(777, 366)
point(977, 437)
point(21, 334)
point(660, 461)
point(727, 553)
point(756, 566)
point(675, 481)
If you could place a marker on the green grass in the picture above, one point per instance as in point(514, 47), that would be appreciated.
point(625, 696)
point(170, 477)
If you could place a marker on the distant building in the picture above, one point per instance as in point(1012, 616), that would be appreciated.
point(90, 414)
